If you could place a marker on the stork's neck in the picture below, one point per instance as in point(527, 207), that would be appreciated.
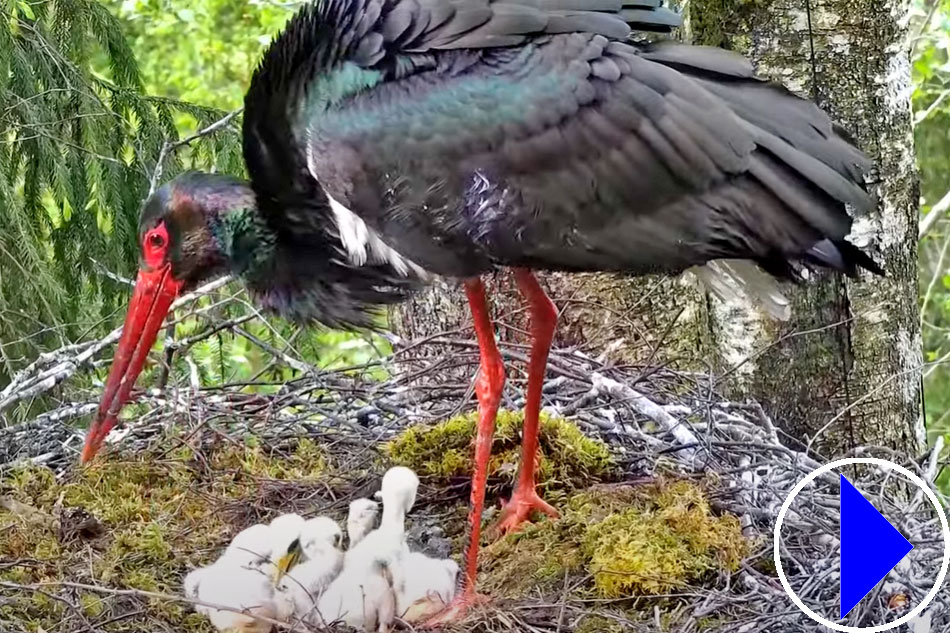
point(394, 515)
point(246, 240)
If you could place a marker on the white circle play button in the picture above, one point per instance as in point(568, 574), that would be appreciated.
point(869, 545)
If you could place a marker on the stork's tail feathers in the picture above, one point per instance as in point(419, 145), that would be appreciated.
point(741, 279)
point(803, 177)
point(842, 255)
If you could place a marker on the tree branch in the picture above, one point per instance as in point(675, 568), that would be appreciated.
point(936, 212)
point(52, 368)
point(170, 148)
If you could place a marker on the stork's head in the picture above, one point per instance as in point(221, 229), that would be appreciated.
point(253, 544)
point(184, 239)
point(398, 494)
point(318, 536)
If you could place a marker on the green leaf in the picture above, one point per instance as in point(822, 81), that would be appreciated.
point(23, 7)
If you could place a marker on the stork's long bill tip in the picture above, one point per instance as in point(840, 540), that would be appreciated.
point(90, 448)
point(155, 290)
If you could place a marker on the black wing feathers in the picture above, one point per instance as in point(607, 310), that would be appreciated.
point(625, 157)
point(391, 34)
point(801, 157)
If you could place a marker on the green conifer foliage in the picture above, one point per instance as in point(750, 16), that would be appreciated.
point(79, 140)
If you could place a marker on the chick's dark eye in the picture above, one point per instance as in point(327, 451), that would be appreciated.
point(156, 241)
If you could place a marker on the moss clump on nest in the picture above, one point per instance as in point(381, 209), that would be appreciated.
point(599, 624)
point(445, 450)
point(630, 541)
point(142, 524)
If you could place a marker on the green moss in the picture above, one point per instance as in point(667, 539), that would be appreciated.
point(305, 463)
point(662, 544)
point(158, 518)
point(91, 605)
point(445, 450)
point(722, 23)
point(599, 624)
point(628, 541)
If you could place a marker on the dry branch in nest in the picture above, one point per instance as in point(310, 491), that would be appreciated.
point(657, 421)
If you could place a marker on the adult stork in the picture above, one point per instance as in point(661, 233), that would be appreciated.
point(392, 141)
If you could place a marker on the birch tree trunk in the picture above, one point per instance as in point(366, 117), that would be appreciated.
point(846, 369)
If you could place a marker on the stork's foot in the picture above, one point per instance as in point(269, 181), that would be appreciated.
point(519, 510)
point(456, 610)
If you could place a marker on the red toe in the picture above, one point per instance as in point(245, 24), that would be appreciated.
point(455, 611)
point(519, 510)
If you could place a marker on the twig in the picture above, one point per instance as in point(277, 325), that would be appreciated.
point(35, 380)
point(936, 212)
point(652, 410)
point(300, 366)
point(168, 148)
point(140, 593)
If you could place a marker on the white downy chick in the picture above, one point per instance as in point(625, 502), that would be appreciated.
point(360, 598)
point(256, 539)
point(427, 586)
point(286, 527)
point(246, 590)
point(250, 548)
point(192, 582)
point(298, 591)
point(387, 543)
point(398, 494)
point(360, 520)
point(282, 521)
point(192, 585)
point(317, 533)
point(362, 595)
point(240, 581)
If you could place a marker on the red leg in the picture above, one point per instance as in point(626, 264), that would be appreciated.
point(488, 386)
point(525, 499)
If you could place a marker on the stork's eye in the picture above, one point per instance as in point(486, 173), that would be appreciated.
point(155, 245)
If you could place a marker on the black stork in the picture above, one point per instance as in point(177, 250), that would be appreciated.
point(392, 141)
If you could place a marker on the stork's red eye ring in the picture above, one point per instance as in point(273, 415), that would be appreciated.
point(155, 246)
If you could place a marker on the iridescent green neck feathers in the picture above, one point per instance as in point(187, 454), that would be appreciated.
point(246, 241)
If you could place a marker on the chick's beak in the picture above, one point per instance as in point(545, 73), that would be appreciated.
point(289, 559)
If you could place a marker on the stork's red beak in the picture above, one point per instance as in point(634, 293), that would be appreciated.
point(155, 290)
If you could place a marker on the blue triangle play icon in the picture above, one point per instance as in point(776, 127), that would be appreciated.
point(870, 546)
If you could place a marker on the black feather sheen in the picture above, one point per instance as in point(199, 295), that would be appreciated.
point(478, 133)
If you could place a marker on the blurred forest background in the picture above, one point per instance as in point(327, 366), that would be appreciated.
point(99, 100)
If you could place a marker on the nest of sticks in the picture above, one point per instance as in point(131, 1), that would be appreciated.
point(657, 421)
